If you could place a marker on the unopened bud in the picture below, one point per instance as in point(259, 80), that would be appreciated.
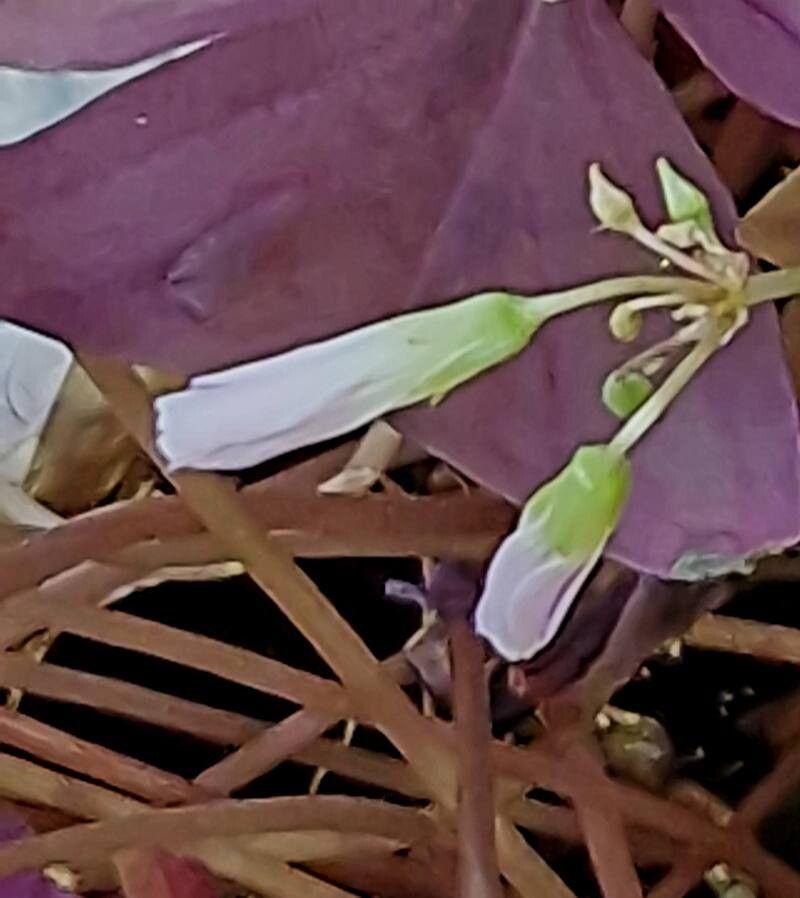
point(612, 207)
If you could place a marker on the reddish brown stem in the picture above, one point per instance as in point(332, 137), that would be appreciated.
point(127, 700)
point(769, 642)
point(448, 525)
point(209, 655)
point(430, 876)
point(693, 795)
point(128, 774)
point(651, 812)
point(89, 843)
point(478, 873)
point(601, 820)
point(264, 751)
point(214, 501)
point(38, 785)
point(768, 794)
point(777, 722)
point(639, 18)
point(682, 878)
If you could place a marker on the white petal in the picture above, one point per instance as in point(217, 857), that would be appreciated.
point(32, 370)
point(31, 101)
point(528, 593)
point(253, 412)
point(248, 414)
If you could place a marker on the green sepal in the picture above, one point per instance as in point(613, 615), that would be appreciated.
point(579, 508)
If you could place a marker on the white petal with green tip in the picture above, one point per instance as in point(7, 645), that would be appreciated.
point(245, 415)
point(538, 571)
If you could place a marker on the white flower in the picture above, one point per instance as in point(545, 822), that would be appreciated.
point(253, 412)
point(31, 100)
point(536, 574)
point(32, 370)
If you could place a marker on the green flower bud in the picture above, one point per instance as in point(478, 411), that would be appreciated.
point(684, 201)
point(624, 392)
point(612, 207)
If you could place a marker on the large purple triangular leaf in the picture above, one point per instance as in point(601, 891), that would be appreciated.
point(313, 171)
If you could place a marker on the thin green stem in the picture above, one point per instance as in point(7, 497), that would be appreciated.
point(645, 417)
point(759, 288)
point(656, 301)
point(562, 301)
point(677, 257)
point(772, 285)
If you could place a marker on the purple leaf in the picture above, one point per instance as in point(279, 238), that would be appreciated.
point(327, 164)
point(753, 46)
point(653, 612)
point(50, 34)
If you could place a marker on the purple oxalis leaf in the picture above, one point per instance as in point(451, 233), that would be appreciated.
point(326, 164)
point(48, 34)
point(753, 46)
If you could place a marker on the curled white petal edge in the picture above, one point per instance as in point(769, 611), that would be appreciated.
point(495, 600)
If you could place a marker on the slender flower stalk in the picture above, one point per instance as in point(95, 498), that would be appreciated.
point(652, 359)
point(772, 286)
point(561, 302)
